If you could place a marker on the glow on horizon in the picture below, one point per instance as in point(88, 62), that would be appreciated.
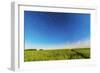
point(79, 44)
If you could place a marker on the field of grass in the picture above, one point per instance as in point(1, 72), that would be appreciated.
point(58, 54)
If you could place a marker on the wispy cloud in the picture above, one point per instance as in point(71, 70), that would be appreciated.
point(78, 44)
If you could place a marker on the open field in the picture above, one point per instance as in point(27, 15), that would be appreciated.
point(56, 54)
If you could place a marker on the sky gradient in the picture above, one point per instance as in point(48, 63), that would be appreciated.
point(46, 29)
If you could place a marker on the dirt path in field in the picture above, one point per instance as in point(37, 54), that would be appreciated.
point(80, 54)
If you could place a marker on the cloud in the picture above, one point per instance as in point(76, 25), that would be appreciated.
point(78, 44)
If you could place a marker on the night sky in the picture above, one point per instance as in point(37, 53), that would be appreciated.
point(51, 28)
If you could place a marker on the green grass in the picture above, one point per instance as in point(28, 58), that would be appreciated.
point(57, 54)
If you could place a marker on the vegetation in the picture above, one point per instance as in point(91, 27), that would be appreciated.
point(56, 54)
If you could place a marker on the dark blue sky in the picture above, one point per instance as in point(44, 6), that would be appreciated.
point(47, 28)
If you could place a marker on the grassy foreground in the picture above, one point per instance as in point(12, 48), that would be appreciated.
point(58, 54)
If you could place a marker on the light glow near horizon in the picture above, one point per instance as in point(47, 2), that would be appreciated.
point(52, 30)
